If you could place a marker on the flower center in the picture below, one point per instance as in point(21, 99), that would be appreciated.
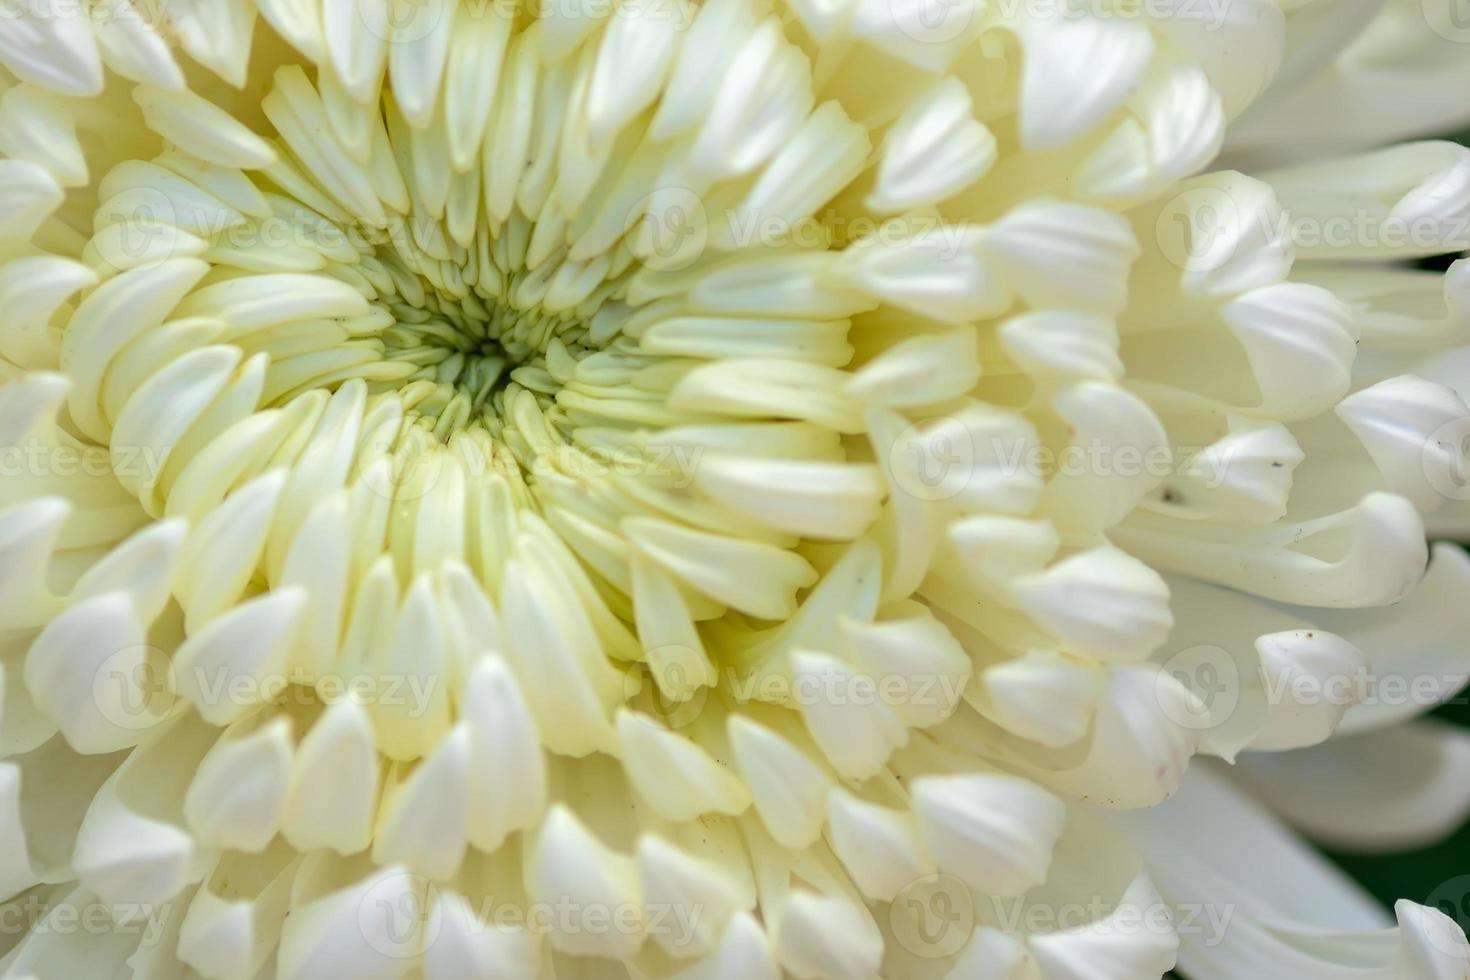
point(465, 328)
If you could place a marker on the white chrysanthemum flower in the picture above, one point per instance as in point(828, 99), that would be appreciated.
point(645, 489)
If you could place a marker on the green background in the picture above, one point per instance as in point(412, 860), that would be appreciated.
point(1417, 874)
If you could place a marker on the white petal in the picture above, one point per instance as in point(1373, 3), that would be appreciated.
point(1221, 235)
point(1239, 46)
point(1290, 909)
point(846, 713)
point(1413, 647)
point(1075, 72)
point(975, 458)
point(370, 930)
point(118, 311)
point(1042, 697)
point(1406, 200)
point(423, 820)
point(1377, 554)
point(16, 873)
point(1301, 342)
point(1244, 476)
point(676, 775)
point(238, 661)
point(744, 953)
point(334, 784)
point(1109, 949)
point(1140, 742)
point(812, 499)
point(92, 671)
point(563, 671)
point(936, 273)
point(566, 862)
point(752, 576)
point(465, 946)
point(37, 126)
point(1103, 602)
point(1304, 672)
point(915, 659)
point(788, 789)
point(1060, 254)
point(225, 548)
point(923, 370)
point(28, 535)
point(825, 936)
point(879, 846)
point(1403, 422)
point(202, 128)
point(675, 882)
point(33, 289)
point(1177, 127)
point(53, 48)
point(993, 831)
point(1113, 456)
point(1063, 345)
point(934, 150)
point(418, 50)
point(237, 796)
point(505, 750)
point(1401, 788)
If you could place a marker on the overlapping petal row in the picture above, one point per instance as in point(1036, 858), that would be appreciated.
point(720, 484)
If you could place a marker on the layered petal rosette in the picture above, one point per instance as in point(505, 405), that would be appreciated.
point(727, 491)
